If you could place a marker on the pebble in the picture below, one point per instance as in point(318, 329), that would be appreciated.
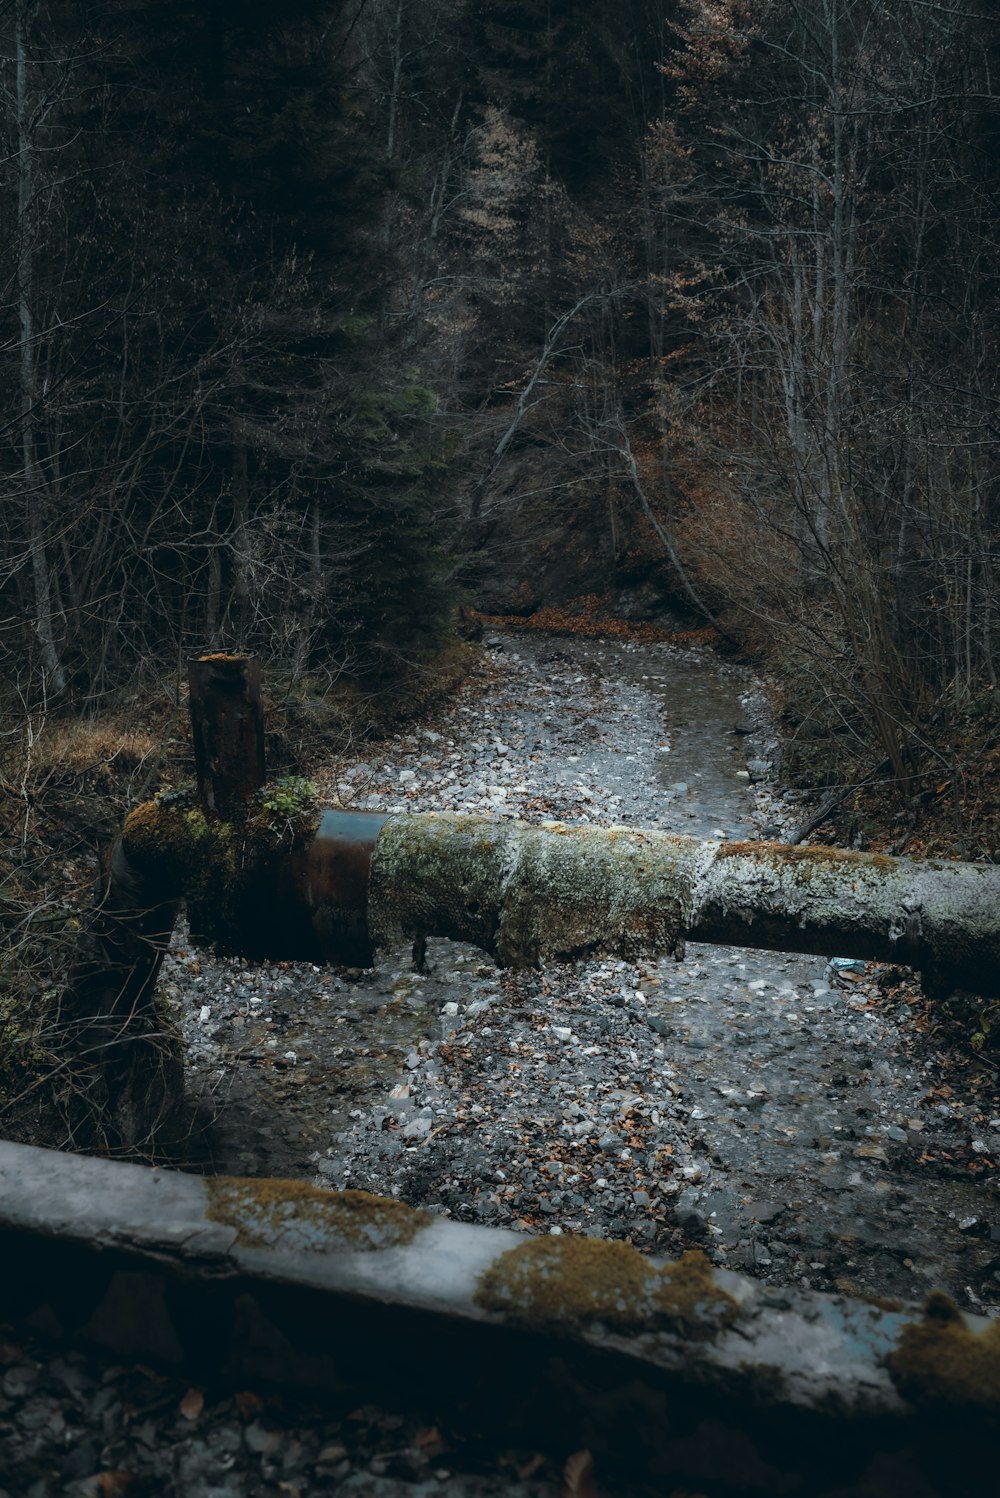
point(121, 1432)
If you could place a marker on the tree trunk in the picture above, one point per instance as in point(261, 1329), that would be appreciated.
point(34, 489)
point(122, 1051)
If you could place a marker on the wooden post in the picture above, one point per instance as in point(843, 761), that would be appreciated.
point(227, 726)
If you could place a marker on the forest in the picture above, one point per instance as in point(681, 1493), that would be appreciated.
point(319, 323)
point(587, 415)
point(328, 326)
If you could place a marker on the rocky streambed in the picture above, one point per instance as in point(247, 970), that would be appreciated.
point(781, 1113)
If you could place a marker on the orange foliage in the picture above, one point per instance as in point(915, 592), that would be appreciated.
point(586, 617)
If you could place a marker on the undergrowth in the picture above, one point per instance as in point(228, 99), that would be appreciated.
point(66, 785)
point(949, 806)
point(591, 617)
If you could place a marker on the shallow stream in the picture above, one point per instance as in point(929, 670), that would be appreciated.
point(786, 1117)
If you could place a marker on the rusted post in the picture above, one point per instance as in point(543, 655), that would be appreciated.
point(227, 726)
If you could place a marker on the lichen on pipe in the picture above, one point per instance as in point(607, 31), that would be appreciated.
point(531, 894)
point(528, 894)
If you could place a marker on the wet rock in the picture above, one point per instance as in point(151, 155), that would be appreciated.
point(689, 1216)
point(764, 1211)
point(21, 1380)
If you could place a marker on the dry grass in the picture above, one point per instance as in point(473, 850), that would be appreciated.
point(80, 749)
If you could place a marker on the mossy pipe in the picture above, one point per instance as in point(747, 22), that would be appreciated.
point(530, 894)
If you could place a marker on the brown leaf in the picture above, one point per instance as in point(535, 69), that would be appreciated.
point(248, 1403)
point(430, 1441)
point(579, 1477)
point(531, 1466)
point(192, 1404)
point(107, 1484)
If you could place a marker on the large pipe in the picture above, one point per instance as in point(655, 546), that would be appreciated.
point(355, 882)
point(265, 875)
point(338, 886)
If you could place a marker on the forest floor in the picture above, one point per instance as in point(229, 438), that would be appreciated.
point(807, 1124)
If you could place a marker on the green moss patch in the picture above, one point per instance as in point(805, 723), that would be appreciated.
point(209, 859)
point(570, 1282)
point(269, 1213)
point(940, 1361)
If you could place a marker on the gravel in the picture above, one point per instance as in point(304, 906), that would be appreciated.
point(77, 1425)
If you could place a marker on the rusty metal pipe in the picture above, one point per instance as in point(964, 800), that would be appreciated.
point(311, 904)
point(364, 881)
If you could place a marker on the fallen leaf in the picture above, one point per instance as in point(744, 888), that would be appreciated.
point(107, 1484)
point(192, 1404)
point(579, 1477)
point(430, 1441)
point(248, 1403)
point(531, 1466)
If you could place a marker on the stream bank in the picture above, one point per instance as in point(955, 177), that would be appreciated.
point(784, 1115)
